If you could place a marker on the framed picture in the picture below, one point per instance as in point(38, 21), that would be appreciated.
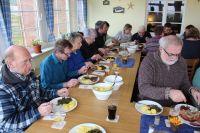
point(118, 9)
point(106, 2)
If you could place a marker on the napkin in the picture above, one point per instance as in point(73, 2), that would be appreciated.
point(81, 86)
point(104, 62)
point(55, 116)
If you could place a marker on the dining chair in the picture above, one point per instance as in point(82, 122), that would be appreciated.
point(191, 66)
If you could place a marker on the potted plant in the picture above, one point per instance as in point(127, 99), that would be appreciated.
point(36, 46)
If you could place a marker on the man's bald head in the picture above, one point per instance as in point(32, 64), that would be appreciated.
point(18, 59)
point(15, 51)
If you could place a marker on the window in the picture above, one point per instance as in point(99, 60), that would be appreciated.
point(27, 20)
point(24, 21)
point(161, 11)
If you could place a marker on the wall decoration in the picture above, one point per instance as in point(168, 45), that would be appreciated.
point(106, 2)
point(130, 5)
point(118, 9)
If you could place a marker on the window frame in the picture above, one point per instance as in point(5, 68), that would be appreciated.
point(164, 13)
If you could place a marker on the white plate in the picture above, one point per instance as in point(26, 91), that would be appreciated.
point(106, 67)
point(80, 79)
point(192, 108)
point(59, 108)
point(111, 79)
point(74, 129)
point(147, 102)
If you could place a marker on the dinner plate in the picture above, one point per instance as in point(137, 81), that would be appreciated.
point(87, 82)
point(192, 108)
point(60, 108)
point(139, 105)
point(105, 67)
point(74, 129)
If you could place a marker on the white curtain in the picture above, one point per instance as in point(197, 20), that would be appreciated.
point(3, 38)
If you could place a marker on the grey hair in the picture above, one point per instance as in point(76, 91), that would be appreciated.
point(170, 40)
point(73, 36)
point(89, 32)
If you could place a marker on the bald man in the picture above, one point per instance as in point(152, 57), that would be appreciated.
point(141, 35)
point(21, 100)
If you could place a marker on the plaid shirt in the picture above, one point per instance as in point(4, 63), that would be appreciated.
point(18, 104)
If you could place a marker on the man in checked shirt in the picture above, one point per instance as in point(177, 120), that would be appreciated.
point(21, 100)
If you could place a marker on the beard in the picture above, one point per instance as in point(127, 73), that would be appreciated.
point(170, 62)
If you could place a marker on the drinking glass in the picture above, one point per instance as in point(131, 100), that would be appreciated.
point(173, 119)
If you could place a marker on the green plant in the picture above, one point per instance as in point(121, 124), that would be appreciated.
point(36, 42)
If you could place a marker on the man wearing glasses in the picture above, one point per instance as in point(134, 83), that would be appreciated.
point(163, 75)
point(53, 69)
point(21, 100)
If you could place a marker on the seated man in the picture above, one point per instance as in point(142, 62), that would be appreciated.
point(141, 35)
point(87, 42)
point(21, 99)
point(163, 74)
point(53, 69)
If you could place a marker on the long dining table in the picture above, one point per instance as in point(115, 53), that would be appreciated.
point(91, 110)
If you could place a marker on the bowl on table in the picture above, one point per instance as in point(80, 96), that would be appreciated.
point(102, 91)
point(112, 79)
point(131, 50)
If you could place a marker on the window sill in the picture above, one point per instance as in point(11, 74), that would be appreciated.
point(34, 55)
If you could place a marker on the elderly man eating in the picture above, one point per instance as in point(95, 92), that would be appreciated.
point(21, 99)
point(163, 75)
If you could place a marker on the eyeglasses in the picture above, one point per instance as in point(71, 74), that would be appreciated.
point(66, 54)
point(170, 54)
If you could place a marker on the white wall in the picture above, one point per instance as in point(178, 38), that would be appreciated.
point(98, 11)
point(136, 16)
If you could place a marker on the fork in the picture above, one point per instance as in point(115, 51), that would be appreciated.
point(116, 74)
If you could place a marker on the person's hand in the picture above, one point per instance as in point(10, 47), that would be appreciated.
point(71, 83)
point(177, 95)
point(63, 92)
point(196, 95)
point(45, 108)
point(83, 70)
point(96, 57)
point(102, 50)
point(89, 64)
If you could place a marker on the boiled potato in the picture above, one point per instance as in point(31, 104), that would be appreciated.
point(102, 89)
point(153, 111)
point(69, 105)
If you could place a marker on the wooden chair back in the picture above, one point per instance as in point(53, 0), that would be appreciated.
point(191, 66)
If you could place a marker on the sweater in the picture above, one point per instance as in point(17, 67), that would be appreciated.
point(87, 50)
point(156, 78)
point(53, 73)
point(191, 49)
point(75, 61)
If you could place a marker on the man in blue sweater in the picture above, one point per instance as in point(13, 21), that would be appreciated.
point(53, 69)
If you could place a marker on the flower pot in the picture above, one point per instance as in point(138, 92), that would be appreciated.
point(37, 49)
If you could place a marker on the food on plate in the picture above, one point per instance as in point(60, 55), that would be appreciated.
point(187, 114)
point(67, 103)
point(103, 89)
point(88, 129)
point(64, 101)
point(89, 79)
point(110, 58)
point(101, 67)
point(150, 109)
